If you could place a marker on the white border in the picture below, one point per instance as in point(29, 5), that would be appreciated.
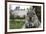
point(31, 29)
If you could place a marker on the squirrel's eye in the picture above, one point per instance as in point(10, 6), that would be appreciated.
point(33, 13)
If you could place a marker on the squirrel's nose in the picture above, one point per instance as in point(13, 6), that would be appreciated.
point(30, 25)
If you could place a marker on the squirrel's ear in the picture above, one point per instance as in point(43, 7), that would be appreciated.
point(34, 9)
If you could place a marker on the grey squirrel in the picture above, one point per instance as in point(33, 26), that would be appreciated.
point(33, 21)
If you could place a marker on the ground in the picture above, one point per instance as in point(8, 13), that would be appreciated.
point(16, 24)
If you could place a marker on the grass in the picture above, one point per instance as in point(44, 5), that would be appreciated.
point(16, 24)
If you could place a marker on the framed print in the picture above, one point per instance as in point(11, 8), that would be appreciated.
point(23, 16)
